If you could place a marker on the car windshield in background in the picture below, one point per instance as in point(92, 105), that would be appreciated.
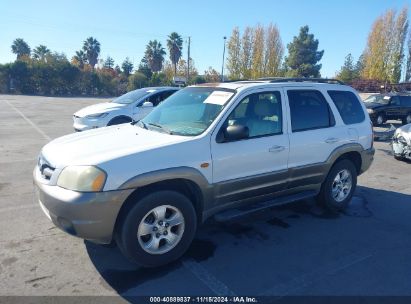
point(378, 99)
point(132, 96)
point(188, 112)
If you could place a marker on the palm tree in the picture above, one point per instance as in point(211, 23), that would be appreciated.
point(175, 46)
point(91, 49)
point(20, 48)
point(40, 52)
point(155, 55)
point(80, 58)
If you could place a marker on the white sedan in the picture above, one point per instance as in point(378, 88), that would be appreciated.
point(131, 106)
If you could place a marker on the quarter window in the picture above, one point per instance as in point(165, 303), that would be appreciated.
point(260, 112)
point(348, 106)
point(309, 110)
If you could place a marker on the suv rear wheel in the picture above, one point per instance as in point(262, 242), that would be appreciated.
point(339, 186)
point(158, 229)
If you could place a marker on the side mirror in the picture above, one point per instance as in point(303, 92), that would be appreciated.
point(233, 133)
point(147, 104)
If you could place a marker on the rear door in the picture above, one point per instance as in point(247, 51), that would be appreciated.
point(313, 136)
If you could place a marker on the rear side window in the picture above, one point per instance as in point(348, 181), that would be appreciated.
point(348, 106)
point(309, 110)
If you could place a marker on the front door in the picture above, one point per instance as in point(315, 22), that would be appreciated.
point(257, 165)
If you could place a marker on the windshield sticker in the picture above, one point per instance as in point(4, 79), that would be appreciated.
point(218, 97)
point(150, 91)
point(386, 97)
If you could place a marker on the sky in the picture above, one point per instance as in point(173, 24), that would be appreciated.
point(124, 27)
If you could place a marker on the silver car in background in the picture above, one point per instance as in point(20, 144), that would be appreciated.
point(133, 105)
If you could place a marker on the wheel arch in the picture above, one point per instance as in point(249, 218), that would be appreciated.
point(119, 117)
point(187, 181)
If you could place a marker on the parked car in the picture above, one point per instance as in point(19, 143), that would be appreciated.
point(401, 143)
point(392, 106)
point(220, 150)
point(131, 106)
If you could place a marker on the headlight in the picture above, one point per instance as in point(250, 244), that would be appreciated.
point(98, 115)
point(370, 111)
point(82, 178)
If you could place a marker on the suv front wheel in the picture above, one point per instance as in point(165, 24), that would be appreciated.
point(158, 229)
point(339, 186)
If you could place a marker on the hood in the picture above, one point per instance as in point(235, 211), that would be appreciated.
point(100, 108)
point(100, 145)
point(373, 105)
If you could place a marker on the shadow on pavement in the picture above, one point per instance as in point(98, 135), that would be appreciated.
point(215, 242)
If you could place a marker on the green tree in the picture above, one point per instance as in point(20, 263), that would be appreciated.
point(348, 71)
point(246, 52)
point(211, 75)
point(303, 55)
point(233, 55)
point(91, 48)
point(144, 68)
point(127, 67)
point(408, 64)
point(137, 81)
point(384, 53)
point(257, 63)
point(274, 51)
point(20, 48)
point(109, 63)
point(40, 52)
point(175, 47)
point(154, 55)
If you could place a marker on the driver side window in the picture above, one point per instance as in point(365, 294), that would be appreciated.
point(261, 113)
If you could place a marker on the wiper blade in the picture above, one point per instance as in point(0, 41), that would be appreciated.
point(160, 127)
point(139, 123)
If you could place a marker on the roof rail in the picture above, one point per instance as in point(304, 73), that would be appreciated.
point(303, 79)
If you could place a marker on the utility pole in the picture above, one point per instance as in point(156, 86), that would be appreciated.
point(222, 67)
point(188, 60)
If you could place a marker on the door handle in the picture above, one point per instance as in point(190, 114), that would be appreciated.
point(275, 149)
point(332, 140)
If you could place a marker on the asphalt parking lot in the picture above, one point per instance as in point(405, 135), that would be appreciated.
point(292, 250)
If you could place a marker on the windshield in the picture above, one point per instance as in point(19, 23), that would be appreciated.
point(378, 99)
point(132, 96)
point(188, 112)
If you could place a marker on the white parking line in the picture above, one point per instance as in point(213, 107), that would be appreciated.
point(48, 138)
point(218, 287)
point(298, 283)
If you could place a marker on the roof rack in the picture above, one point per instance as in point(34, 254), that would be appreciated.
point(306, 79)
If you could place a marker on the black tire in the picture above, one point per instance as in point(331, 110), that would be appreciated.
point(379, 119)
point(119, 121)
point(407, 119)
point(127, 236)
point(325, 197)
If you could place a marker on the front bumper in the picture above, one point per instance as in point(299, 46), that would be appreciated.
point(367, 157)
point(88, 215)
